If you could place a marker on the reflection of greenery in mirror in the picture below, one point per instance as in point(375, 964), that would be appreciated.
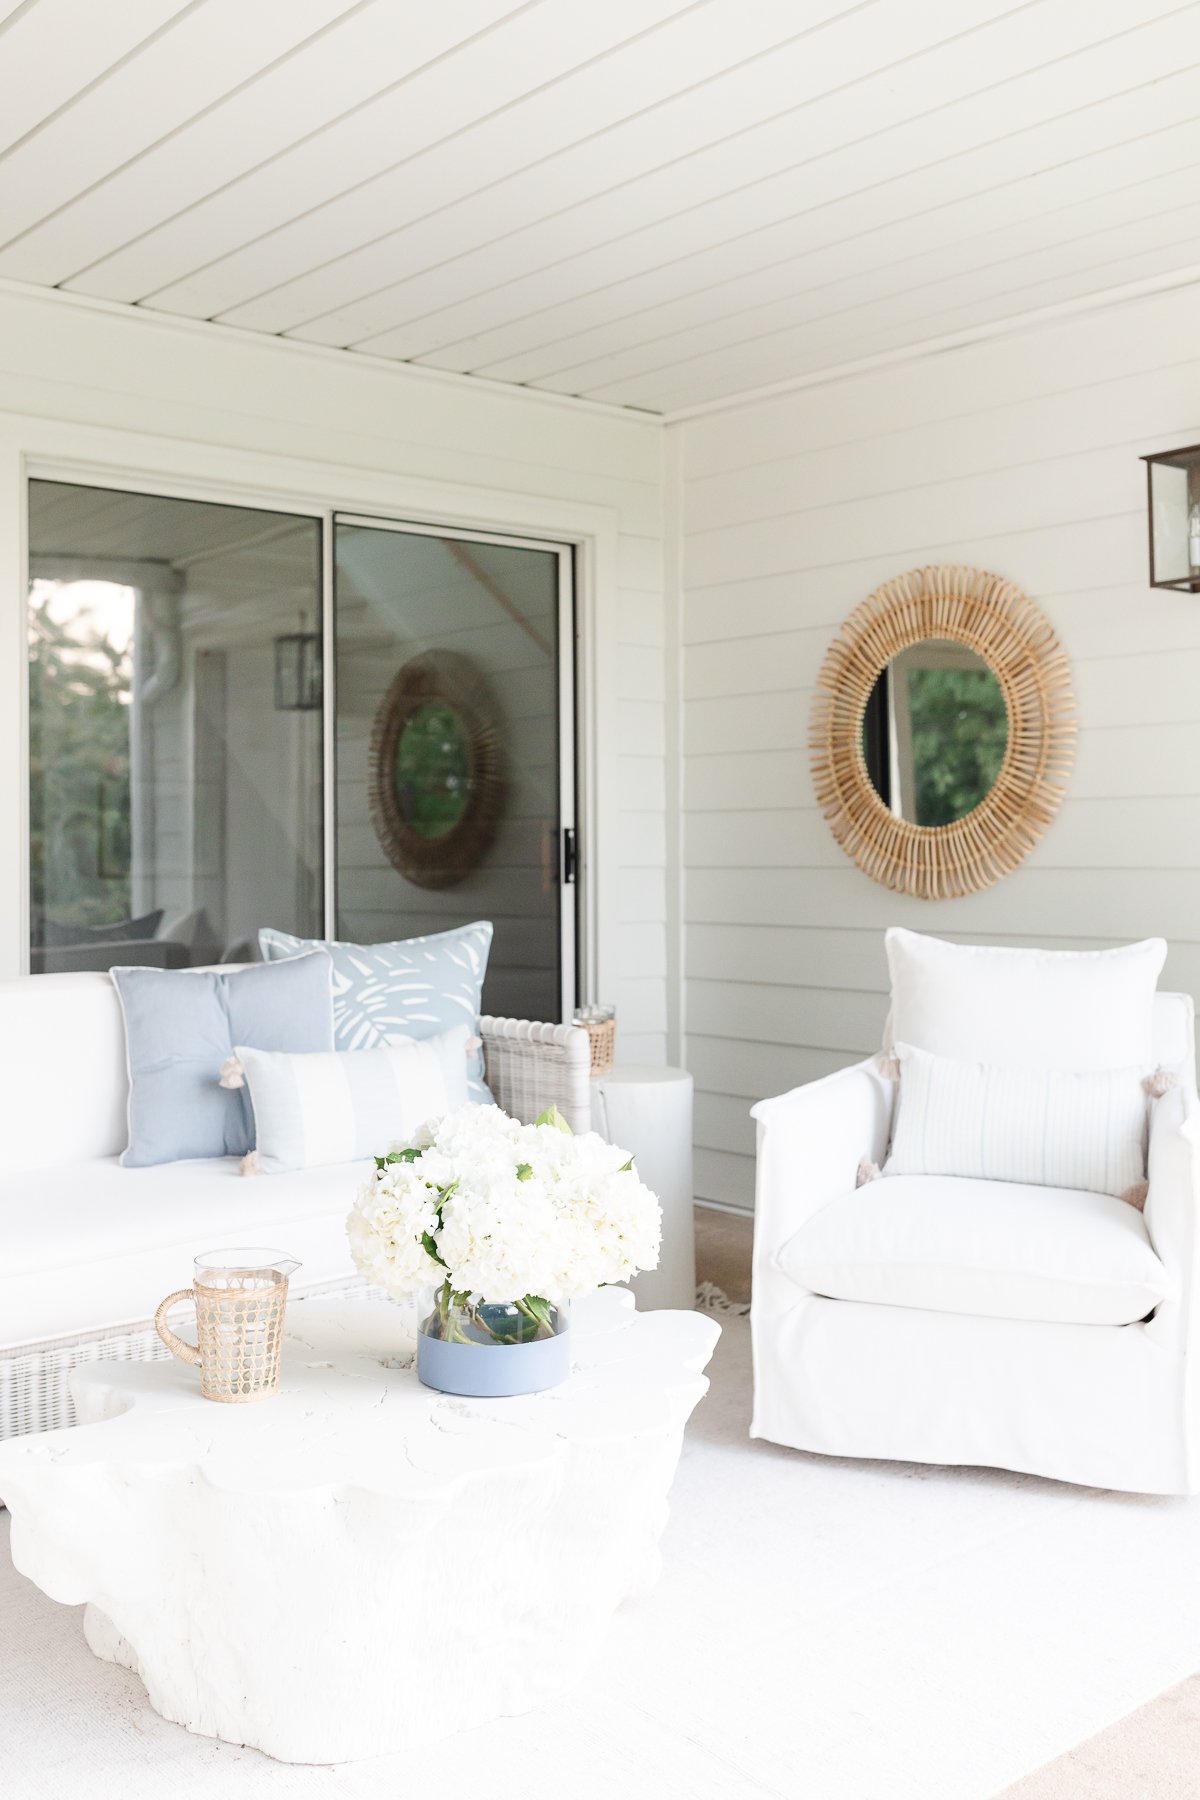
point(935, 732)
point(432, 771)
point(959, 736)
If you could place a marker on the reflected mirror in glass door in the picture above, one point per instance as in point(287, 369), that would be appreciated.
point(935, 732)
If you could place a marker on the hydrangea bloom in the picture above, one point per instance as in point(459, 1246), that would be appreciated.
point(503, 1211)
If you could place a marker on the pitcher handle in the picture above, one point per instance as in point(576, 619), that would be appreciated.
point(176, 1345)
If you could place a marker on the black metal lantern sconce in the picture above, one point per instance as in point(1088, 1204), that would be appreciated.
point(1173, 497)
point(298, 672)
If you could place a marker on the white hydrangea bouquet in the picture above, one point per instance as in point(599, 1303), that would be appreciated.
point(505, 1223)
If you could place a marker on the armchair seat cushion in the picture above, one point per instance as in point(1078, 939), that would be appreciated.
point(998, 1249)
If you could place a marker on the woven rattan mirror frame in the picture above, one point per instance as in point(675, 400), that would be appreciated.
point(1001, 624)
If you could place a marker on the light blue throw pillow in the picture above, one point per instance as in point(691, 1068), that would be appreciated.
point(180, 1027)
point(416, 988)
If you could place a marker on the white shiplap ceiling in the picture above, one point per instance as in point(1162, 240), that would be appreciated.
point(636, 201)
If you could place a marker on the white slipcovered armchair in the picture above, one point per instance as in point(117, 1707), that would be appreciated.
point(945, 1320)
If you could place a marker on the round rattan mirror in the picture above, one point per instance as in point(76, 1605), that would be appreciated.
point(943, 731)
point(435, 775)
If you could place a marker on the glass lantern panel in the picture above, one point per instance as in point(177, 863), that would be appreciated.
point(1169, 505)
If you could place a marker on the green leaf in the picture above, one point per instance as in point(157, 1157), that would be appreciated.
point(431, 1248)
point(524, 1171)
point(626, 1167)
point(401, 1156)
point(553, 1117)
point(540, 1310)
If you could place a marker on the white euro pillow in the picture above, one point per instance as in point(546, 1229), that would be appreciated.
point(1045, 1127)
point(341, 1106)
point(1029, 1009)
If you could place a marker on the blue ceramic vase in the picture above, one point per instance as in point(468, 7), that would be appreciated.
point(491, 1350)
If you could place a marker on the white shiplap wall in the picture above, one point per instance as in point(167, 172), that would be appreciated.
point(126, 393)
point(1020, 455)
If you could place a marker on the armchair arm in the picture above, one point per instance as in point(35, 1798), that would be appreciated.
point(530, 1067)
point(810, 1143)
point(1173, 1207)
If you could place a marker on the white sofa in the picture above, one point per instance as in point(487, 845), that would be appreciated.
point(917, 1318)
point(88, 1249)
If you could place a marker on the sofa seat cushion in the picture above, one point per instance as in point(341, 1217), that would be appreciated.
point(93, 1246)
point(992, 1248)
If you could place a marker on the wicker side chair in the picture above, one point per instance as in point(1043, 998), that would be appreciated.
point(530, 1067)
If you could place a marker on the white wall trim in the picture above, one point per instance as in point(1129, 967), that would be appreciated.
point(975, 334)
point(14, 715)
point(672, 476)
point(262, 340)
point(36, 447)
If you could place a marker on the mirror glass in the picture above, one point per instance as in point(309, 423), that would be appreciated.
point(432, 771)
point(935, 731)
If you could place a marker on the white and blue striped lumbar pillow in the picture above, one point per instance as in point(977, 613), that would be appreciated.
point(410, 989)
point(1046, 1127)
point(342, 1105)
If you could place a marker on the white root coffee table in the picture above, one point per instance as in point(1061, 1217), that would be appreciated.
point(359, 1563)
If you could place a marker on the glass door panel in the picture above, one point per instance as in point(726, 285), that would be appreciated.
point(454, 740)
point(175, 779)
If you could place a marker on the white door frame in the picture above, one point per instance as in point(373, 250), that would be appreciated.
point(99, 456)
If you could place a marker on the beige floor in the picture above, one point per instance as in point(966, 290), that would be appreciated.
point(1153, 1754)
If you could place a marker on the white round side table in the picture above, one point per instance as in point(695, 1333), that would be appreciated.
point(648, 1111)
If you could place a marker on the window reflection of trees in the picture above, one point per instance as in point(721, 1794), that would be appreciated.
point(959, 737)
point(80, 666)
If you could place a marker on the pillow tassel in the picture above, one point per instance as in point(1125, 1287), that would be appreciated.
point(232, 1075)
point(1136, 1195)
point(1160, 1083)
point(888, 1066)
point(251, 1164)
point(867, 1171)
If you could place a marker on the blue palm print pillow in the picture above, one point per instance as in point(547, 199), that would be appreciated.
point(416, 988)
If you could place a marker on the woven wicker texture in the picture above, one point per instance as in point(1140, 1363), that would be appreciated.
point(239, 1328)
point(602, 1039)
point(530, 1067)
point(1013, 636)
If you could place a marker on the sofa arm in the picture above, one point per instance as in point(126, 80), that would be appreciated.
point(810, 1143)
point(530, 1067)
point(1173, 1206)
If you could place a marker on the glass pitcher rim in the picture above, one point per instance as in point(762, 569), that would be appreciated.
point(246, 1256)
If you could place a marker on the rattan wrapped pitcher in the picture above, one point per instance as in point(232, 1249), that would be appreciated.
point(240, 1297)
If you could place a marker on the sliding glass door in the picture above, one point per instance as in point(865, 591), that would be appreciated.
point(332, 725)
point(454, 742)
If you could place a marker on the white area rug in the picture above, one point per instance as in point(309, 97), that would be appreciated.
point(823, 1630)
